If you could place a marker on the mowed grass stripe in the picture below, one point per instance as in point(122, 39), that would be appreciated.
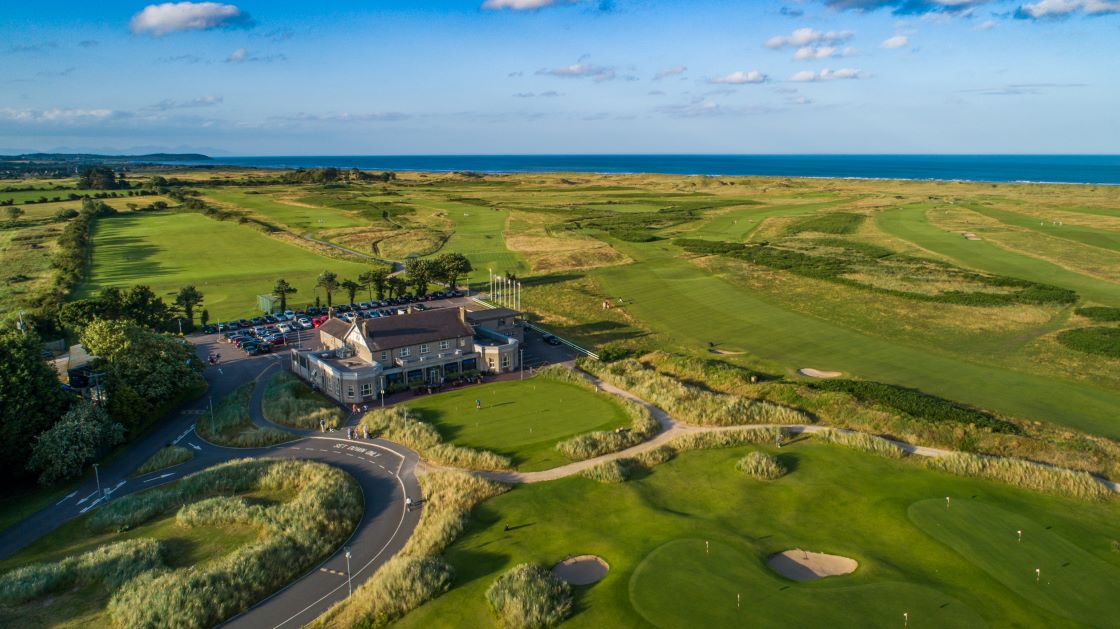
point(1077, 233)
point(690, 307)
point(911, 224)
point(479, 234)
point(295, 217)
point(231, 264)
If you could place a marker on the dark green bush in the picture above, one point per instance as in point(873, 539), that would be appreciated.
point(528, 596)
point(1099, 313)
point(1100, 341)
point(831, 223)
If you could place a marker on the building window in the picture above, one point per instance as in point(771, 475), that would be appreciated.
point(505, 361)
point(424, 348)
point(405, 351)
point(444, 344)
point(367, 389)
point(490, 362)
point(463, 342)
point(384, 356)
point(349, 390)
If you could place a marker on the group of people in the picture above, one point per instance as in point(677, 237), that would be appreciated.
point(351, 431)
point(607, 303)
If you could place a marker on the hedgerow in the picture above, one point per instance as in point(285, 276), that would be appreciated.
point(403, 425)
point(529, 596)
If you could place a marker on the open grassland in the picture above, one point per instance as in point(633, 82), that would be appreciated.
point(271, 204)
point(523, 419)
point(231, 264)
point(685, 538)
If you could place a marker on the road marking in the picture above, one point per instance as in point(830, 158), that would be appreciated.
point(160, 477)
point(91, 495)
point(199, 448)
point(194, 412)
point(68, 496)
point(185, 433)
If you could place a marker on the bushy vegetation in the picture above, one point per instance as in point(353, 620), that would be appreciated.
point(643, 426)
point(295, 534)
point(761, 466)
point(613, 471)
point(287, 400)
point(1026, 474)
point(690, 403)
point(30, 400)
point(83, 434)
point(725, 438)
point(111, 565)
point(529, 596)
point(231, 425)
point(417, 573)
point(402, 425)
point(655, 456)
point(1099, 340)
point(829, 223)
point(855, 257)
point(861, 441)
point(1099, 313)
point(918, 404)
point(165, 457)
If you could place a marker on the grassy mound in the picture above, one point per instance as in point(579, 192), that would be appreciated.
point(231, 425)
point(288, 401)
point(528, 596)
point(165, 457)
point(761, 466)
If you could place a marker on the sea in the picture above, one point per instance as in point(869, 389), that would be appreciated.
point(1071, 169)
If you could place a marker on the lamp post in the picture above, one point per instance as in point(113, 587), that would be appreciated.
point(382, 391)
point(521, 362)
point(97, 475)
point(349, 583)
point(213, 430)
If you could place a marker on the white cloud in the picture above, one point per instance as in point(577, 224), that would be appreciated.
point(523, 5)
point(827, 75)
point(739, 78)
point(987, 25)
point(807, 36)
point(57, 115)
point(668, 72)
point(898, 41)
point(171, 17)
point(238, 56)
point(583, 69)
point(808, 53)
point(204, 101)
point(1066, 8)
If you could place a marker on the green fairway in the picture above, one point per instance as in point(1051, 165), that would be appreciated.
point(652, 532)
point(738, 224)
point(1072, 582)
point(1077, 233)
point(911, 224)
point(298, 218)
point(231, 264)
point(521, 419)
point(672, 296)
point(479, 235)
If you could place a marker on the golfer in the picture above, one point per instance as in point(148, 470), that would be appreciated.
point(478, 404)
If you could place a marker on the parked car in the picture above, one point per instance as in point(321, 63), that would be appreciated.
point(305, 324)
point(209, 329)
point(245, 323)
point(550, 339)
point(255, 350)
point(420, 307)
point(284, 327)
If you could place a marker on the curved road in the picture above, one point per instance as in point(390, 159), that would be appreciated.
point(384, 471)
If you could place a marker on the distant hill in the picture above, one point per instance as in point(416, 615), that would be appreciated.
point(90, 157)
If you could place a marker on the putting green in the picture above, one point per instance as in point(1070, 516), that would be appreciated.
point(1072, 583)
point(688, 306)
point(714, 578)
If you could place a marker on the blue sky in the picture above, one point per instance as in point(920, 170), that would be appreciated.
point(539, 76)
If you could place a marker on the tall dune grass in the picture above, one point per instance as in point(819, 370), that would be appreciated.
point(111, 564)
point(403, 425)
point(725, 438)
point(231, 425)
point(529, 596)
point(614, 471)
point(1025, 474)
point(643, 426)
point(165, 457)
point(761, 466)
point(288, 401)
point(861, 441)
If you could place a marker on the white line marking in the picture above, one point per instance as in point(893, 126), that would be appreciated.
point(68, 496)
point(199, 448)
point(160, 477)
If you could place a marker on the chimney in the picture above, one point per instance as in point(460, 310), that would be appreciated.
point(462, 314)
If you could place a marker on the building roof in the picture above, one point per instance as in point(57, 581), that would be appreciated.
point(334, 327)
point(385, 333)
point(478, 316)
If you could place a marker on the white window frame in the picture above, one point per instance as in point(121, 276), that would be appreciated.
point(425, 348)
point(405, 352)
point(349, 390)
point(367, 389)
point(462, 342)
point(505, 361)
point(384, 355)
point(444, 344)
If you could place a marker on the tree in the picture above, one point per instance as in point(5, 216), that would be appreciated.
point(451, 266)
point(83, 434)
point(142, 305)
point(351, 287)
point(281, 292)
point(420, 272)
point(396, 285)
point(327, 281)
point(187, 299)
point(204, 317)
point(14, 213)
point(31, 399)
point(99, 178)
point(374, 280)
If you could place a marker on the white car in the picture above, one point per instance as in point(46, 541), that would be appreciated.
point(305, 324)
point(284, 327)
point(290, 314)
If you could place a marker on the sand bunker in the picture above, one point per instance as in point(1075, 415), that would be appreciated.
point(802, 565)
point(816, 373)
point(724, 352)
point(581, 570)
point(970, 236)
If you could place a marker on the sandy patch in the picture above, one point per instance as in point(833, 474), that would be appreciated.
point(971, 236)
point(802, 565)
point(724, 352)
point(816, 373)
point(581, 570)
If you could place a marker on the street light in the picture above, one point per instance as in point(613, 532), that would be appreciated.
point(382, 391)
point(521, 362)
point(349, 583)
point(97, 475)
point(213, 430)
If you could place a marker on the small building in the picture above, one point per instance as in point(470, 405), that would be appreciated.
point(505, 321)
point(360, 360)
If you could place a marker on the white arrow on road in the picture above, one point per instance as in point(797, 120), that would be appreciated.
point(92, 494)
point(199, 448)
point(68, 496)
point(160, 477)
point(185, 433)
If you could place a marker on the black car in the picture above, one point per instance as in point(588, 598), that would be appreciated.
point(258, 349)
point(550, 339)
point(245, 323)
point(209, 329)
point(271, 319)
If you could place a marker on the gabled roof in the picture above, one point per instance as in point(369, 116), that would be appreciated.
point(427, 326)
point(334, 327)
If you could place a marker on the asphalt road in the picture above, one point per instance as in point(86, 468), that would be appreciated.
point(384, 471)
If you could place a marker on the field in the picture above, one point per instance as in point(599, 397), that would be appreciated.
point(652, 531)
point(522, 419)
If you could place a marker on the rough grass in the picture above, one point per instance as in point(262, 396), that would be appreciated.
point(232, 426)
point(288, 401)
point(614, 471)
point(643, 426)
point(1098, 340)
point(402, 425)
point(1026, 474)
point(829, 223)
point(725, 438)
point(861, 441)
point(163, 458)
point(761, 466)
point(528, 596)
point(111, 565)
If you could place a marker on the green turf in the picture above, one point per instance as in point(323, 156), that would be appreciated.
point(1072, 582)
point(298, 218)
point(479, 235)
point(739, 224)
point(230, 263)
point(689, 307)
point(834, 500)
point(521, 419)
point(1077, 233)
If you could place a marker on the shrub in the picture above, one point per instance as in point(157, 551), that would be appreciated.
point(614, 471)
point(917, 404)
point(164, 458)
point(528, 596)
point(761, 466)
point(111, 564)
point(402, 425)
point(861, 441)
point(1026, 474)
point(690, 403)
point(724, 438)
point(1099, 313)
point(831, 223)
point(231, 425)
point(287, 400)
point(655, 456)
point(1100, 340)
point(643, 426)
point(84, 433)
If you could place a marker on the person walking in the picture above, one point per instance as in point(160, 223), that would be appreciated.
point(365, 431)
point(478, 405)
point(408, 503)
point(322, 425)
